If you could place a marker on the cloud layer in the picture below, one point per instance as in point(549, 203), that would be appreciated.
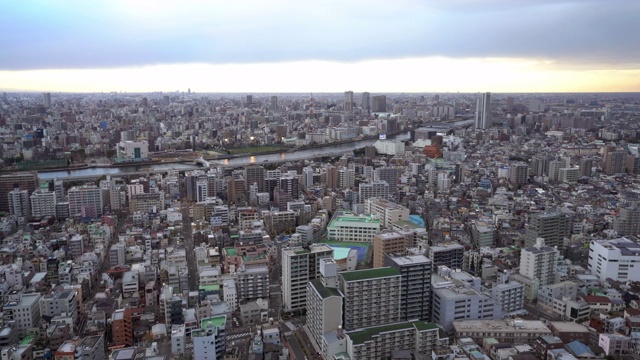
point(120, 33)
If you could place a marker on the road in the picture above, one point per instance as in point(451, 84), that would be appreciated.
point(295, 347)
point(187, 234)
point(275, 288)
point(537, 312)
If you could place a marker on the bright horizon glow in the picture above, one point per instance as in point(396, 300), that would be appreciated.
point(421, 74)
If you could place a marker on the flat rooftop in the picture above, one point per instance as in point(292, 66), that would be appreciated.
point(367, 274)
point(501, 326)
point(215, 321)
point(363, 335)
point(324, 291)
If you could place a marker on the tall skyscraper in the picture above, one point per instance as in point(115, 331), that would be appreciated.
point(483, 111)
point(348, 101)
point(47, 99)
point(379, 103)
point(519, 174)
point(24, 180)
point(366, 101)
point(274, 103)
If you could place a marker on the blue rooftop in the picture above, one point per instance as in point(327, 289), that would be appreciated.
point(579, 349)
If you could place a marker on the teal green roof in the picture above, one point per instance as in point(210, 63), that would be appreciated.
point(362, 336)
point(230, 251)
point(216, 321)
point(213, 287)
point(324, 291)
point(27, 340)
point(369, 274)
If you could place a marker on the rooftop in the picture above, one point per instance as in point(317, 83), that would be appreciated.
point(363, 335)
point(324, 291)
point(369, 274)
point(215, 321)
point(501, 326)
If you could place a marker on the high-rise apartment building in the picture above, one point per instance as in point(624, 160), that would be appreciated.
point(415, 294)
point(614, 162)
point(22, 311)
point(390, 175)
point(370, 297)
point(539, 262)
point(254, 174)
point(209, 342)
point(586, 166)
point(366, 101)
point(519, 174)
point(47, 100)
point(19, 204)
point(324, 304)
point(348, 101)
point(483, 111)
point(25, 180)
point(86, 201)
point(628, 221)
point(346, 178)
point(299, 266)
point(377, 189)
point(379, 103)
point(553, 226)
point(273, 106)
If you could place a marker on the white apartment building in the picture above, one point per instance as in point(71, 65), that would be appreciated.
point(353, 228)
point(539, 262)
point(377, 188)
point(229, 293)
point(86, 201)
point(299, 266)
point(58, 303)
point(509, 295)
point(457, 296)
point(387, 211)
point(23, 311)
point(617, 259)
point(43, 203)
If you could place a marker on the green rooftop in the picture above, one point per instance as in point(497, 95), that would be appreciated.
point(408, 224)
point(213, 287)
point(324, 291)
point(27, 340)
point(369, 274)
point(230, 251)
point(361, 219)
point(362, 336)
point(216, 321)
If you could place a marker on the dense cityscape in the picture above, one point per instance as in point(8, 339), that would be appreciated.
point(443, 226)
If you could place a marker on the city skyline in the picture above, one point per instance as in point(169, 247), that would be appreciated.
point(406, 46)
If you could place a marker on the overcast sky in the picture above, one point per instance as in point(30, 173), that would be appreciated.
point(282, 45)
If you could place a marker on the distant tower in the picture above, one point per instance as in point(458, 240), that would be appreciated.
point(483, 111)
point(311, 105)
point(47, 99)
point(366, 101)
point(249, 100)
point(274, 103)
point(348, 101)
point(189, 91)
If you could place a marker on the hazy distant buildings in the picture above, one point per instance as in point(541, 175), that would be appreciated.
point(379, 103)
point(483, 111)
point(348, 101)
point(366, 101)
point(47, 100)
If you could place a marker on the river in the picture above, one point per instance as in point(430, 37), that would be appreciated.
point(96, 172)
